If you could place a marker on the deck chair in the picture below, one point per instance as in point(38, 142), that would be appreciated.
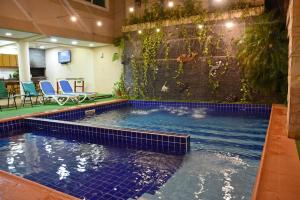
point(49, 93)
point(29, 92)
point(67, 89)
point(4, 94)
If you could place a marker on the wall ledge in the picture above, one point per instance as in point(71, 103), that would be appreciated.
point(233, 14)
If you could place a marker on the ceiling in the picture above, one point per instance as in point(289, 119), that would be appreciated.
point(10, 37)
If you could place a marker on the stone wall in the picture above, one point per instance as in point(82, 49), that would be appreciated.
point(194, 83)
point(294, 69)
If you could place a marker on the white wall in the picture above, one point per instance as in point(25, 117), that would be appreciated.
point(106, 71)
point(99, 73)
point(81, 66)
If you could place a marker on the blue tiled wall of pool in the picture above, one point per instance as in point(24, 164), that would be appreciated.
point(158, 142)
point(12, 127)
point(220, 107)
point(80, 113)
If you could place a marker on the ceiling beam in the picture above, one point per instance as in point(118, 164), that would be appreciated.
point(34, 38)
point(5, 45)
point(9, 39)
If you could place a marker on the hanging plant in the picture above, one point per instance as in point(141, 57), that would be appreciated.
point(120, 43)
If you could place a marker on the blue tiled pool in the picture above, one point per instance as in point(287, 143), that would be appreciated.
point(226, 142)
point(84, 170)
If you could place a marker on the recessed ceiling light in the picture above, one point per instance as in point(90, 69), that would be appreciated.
point(99, 23)
point(73, 18)
point(218, 1)
point(170, 4)
point(157, 30)
point(131, 9)
point(91, 45)
point(229, 24)
point(200, 26)
point(8, 34)
point(42, 47)
point(53, 40)
point(74, 42)
point(140, 32)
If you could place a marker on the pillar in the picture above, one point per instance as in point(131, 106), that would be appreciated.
point(293, 115)
point(23, 62)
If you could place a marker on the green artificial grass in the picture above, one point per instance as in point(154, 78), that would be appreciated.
point(12, 112)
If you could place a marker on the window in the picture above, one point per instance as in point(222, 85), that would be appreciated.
point(101, 3)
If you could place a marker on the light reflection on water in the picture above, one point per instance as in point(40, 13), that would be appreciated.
point(222, 163)
point(208, 176)
point(69, 166)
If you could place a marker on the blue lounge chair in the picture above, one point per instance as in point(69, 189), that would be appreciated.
point(49, 93)
point(67, 89)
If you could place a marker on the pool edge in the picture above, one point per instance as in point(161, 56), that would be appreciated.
point(23, 188)
point(278, 176)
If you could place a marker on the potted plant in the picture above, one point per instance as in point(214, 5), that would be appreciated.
point(117, 89)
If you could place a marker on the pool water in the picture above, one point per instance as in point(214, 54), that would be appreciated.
point(86, 171)
point(222, 164)
point(225, 148)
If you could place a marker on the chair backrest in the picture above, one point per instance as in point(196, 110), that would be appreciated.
point(3, 90)
point(65, 86)
point(29, 88)
point(47, 88)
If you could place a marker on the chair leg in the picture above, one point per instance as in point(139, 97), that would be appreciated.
point(36, 100)
point(30, 101)
point(15, 103)
point(24, 99)
point(8, 102)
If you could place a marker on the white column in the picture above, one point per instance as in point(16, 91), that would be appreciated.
point(24, 63)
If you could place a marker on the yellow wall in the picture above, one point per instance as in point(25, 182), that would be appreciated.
point(106, 71)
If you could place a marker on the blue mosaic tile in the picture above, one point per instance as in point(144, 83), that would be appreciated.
point(158, 142)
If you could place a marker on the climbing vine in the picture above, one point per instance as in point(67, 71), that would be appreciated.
point(175, 48)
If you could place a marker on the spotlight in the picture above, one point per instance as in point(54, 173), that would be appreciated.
point(140, 32)
point(157, 30)
point(91, 45)
point(218, 1)
point(42, 47)
point(229, 24)
point(74, 42)
point(200, 26)
point(73, 18)
point(53, 40)
point(99, 23)
point(8, 34)
point(131, 9)
point(170, 4)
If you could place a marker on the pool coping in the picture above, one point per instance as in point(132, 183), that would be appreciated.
point(278, 176)
point(55, 111)
point(23, 188)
